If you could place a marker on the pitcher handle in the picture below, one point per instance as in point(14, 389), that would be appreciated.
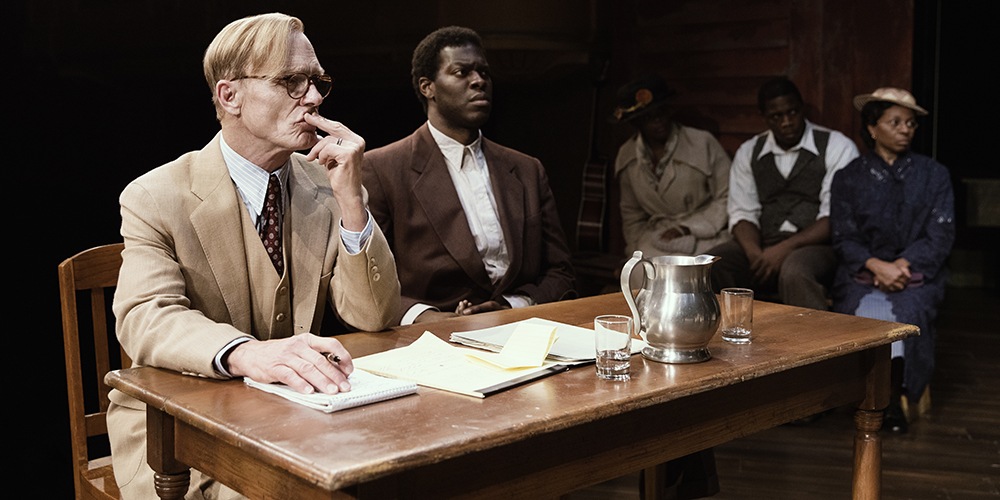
point(626, 284)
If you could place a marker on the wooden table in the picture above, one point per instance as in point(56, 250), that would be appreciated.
point(549, 437)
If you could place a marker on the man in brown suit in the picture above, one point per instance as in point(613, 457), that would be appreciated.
point(198, 292)
point(473, 224)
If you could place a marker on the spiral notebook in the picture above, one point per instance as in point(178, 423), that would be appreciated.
point(366, 388)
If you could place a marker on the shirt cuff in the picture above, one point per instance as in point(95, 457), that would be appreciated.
point(416, 310)
point(354, 241)
point(226, 350)
point(517, 301)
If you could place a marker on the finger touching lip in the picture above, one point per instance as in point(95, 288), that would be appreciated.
point(313, 118)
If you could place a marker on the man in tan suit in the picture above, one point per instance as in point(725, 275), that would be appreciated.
point(198, 292)
point(473, 224)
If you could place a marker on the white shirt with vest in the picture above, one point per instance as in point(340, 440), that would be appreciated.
point(744, 202)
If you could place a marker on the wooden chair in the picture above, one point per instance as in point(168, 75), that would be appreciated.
point(92, 350)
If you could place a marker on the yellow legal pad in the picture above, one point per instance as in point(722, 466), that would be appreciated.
point(527, 347)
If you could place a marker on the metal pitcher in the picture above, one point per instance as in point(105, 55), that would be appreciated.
point(675, 310)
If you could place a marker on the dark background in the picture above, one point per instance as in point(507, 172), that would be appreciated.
point(101, 92)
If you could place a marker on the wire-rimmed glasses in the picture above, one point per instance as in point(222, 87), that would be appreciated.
point(297, 84)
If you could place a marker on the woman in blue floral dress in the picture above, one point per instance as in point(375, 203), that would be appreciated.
point(892, 224)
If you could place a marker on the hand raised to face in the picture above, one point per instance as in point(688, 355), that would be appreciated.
point(342, 153)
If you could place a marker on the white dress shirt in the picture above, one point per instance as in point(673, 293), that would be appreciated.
point(744, 202)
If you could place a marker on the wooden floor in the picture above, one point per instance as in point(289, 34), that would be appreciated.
point(951, 453)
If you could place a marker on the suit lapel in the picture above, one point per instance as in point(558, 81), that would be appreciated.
point(435, 191)
point(310, 231)
point(218, 221)
point(509, 193)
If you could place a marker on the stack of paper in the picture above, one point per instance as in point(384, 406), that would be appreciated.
point(432, 362)
point(573, 344)
point(365, 388)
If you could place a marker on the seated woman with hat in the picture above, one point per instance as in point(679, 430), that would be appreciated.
point(674, 179)
point(892, 222)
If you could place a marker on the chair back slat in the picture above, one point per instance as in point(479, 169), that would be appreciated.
point(89, 342)
point(102, 354)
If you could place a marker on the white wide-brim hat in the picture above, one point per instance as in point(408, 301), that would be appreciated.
point(890, 94)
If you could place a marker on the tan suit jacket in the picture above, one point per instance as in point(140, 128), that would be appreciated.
point(185, 287)
point(414, 200)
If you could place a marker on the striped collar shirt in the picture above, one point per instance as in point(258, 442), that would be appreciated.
point(251, 181)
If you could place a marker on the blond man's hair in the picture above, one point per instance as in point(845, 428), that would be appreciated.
point(252, 46)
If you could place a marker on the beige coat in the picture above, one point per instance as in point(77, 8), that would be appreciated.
point(692, 192)
point(191, 282)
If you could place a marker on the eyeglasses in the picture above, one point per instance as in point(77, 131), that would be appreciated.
point(896, 122)
point(297, 84)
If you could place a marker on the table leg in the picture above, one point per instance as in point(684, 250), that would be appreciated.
point(867, 483)
point(171, 477)
point(867, 455)
point(654, 481)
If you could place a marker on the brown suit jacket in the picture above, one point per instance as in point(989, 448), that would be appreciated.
point(412, 197)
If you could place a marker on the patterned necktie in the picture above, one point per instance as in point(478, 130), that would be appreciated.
point(270, 227)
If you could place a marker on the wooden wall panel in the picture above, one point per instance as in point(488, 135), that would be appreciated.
point(651, 12)
point(711, 37)
point(715, 54)
point(742, 63)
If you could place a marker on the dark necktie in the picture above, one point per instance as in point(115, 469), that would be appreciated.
point(270, 227)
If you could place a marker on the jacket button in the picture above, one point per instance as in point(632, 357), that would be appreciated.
point(280, 317)
point(376, 277)
point(375, 269)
